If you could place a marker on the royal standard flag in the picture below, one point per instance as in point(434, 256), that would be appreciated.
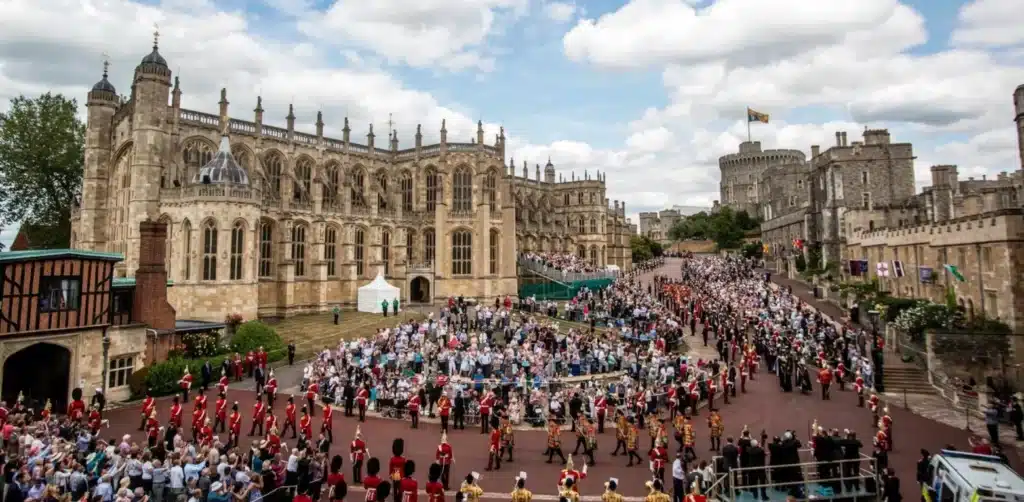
point(753, 116)
point(955, 272)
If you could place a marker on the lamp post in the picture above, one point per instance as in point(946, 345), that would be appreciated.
point(876, 351)
point(106, 360)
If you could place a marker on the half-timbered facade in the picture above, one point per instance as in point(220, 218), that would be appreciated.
point(268, 221)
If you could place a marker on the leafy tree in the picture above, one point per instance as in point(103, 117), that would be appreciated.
point(41, 157)
point(643, 248)
point(726, 227)
point(753, 250)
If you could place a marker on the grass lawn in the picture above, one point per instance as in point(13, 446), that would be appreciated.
point(311, 333)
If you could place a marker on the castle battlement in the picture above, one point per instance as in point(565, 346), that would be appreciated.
point(992, 226)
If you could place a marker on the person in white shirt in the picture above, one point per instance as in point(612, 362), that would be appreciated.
point(678, 479)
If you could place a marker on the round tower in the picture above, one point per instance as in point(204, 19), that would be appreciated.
point(549, 172)
point(151, 148)
point(1018, 117)
point(101, 104)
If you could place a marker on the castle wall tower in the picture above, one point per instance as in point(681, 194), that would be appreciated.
point(101, 104)
point(151, 145)
point(549, 172)
point(1018, 109)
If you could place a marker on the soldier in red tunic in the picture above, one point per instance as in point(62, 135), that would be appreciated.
point(306, 425)
point(396, 467)
point(271, 389)
point(148, 405)
point(873, 405)
point(414, 409)
point(259, 413)
point(95, 420)
point(220, 411)
point(201, 399)
point(434, 488)
point(235, 425)
point(222, 384)
point(312, 391)
point(444, 406)
point(176, 412)
point(362, 400)
point(153, 429)
point(444, 457)
point(486, 402)
point(289, 418)
point(601, 403)
point(186, 385)
point(825, 379)
point(76, 410)
point(372, 482)
point(886, 425)
point(409, 486)
point(270, 423)
point(659, 457)
point(357, 454)
point(198, 418)
point(858, 388)
point(327, 427)
point(206, 433)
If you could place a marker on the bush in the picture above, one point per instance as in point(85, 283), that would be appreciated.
point(895, 306)
point(201, 345)
point(253, 335)
point(137, 382)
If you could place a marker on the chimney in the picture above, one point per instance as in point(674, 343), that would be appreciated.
point(839, 138)
point(149, 305)
point(815, 150)
point(844, 139)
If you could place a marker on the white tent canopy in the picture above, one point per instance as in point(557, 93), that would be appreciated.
point(371, 295)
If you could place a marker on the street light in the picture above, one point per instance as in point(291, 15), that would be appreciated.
point(106, 360)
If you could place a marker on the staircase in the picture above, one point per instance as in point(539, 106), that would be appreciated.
point(550, 274)
point(909, 379)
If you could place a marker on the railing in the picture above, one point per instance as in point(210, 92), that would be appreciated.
point(199, 118)
point(214, 192)
point(308, 139)
point(275, 132)
point(562, 275)
point(241, 126)
point(806, 484)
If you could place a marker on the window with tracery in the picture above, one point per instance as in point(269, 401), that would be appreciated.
point(406, 188)
point(273, 165)
point(462, 252)
point(331, 251)
point(299, 249)
point(495, 246)
point(360, 251)
point(593, 225)
point(358, 189)
point(237, 250)
point(428, 245)
point(385, 251)
point(331, 187)
point(462, 190)
point(266, 249)
point(433, 190)
point(410, 248)
point(582, 227)
point(382, 194)
point(490, 192)
point(210, 251)
point(303, 177)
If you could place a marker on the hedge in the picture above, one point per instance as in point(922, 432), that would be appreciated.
point(162, 378)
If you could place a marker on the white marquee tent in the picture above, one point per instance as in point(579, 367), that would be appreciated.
point(371, 295)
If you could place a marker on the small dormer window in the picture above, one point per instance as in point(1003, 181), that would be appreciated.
point(59, 293)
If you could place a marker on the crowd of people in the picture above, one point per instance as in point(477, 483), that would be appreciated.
point(564, 262)
point(495, 367)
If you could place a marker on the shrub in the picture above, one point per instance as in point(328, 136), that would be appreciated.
point(137, 382)
point(253, 335)
point(201, 345)
point(162, 378)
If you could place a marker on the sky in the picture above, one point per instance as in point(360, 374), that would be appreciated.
point(649, 92)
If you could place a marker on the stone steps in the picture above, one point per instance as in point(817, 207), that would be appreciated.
point(907, 379)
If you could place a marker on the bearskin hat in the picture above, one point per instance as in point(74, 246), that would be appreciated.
point(409, 469)
point(398, 447)
point(383, 490)
point(434, 473)
point(373, 466)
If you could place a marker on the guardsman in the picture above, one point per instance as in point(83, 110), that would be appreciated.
point(633, 444)
point(825, 379)
point(327, 427)
point(580, 427)
point(270, 422)
point(396, 467)
point(717, 427)
point(176, 411)
point(444, 407)
point(153, 429)
point(886, 422)
point(658, 460)
point(76, 409)
point(679, 424)
point(508, 438)
point(409, 486)
point(200, 399)
point(222, 384)
point(357, 454)
point(694, 395)
point(723, 376)
point(148, 405)
point(554, 440)
point(520, 493)
point(290, 421)
point(273, 441)
point(689, 442)
point(372, 482)
point(470, 490)
point(185, 384)
point(858, 388)
point(881, 439)
point(198, 418)
point(306, 424)
point(494, 449)
point(206, 434)
point(259, 414)
point(744, 374)
point(413, 405)
point(362, 398)
point(312, 393)
point(601, 403)
point(610, 494)
point(445, 457)
point(96, 419)
point(234, 425)
point(711, 392)
point(840, 373)
point(434, 488)
point(486, 402)
point(271, 389)
point(621, 432)
point(220, 413)
point(655, 491)
point(873, 405)
point(567, 490)
point(570, 472)
point(590, 432)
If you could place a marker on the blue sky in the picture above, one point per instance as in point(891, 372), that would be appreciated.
point(650, 92)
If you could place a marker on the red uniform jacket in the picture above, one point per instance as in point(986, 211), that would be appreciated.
point(435, 491)
point(414, 404)
point(362, 397)
point(396, 468)
point(410, 490)
point(222, 408)
point(289, 414)
point(358, 450)
point(370, 484)
point(236, 422)
point(443, 454)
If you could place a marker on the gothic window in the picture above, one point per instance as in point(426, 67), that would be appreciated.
point(186, 230)
point(360, 251)
point(242, 157)
point(433, 189)
point(303, 175)
point(462, 190)
point(490, 193)
point(237, 246)
point(331, 251)
point(168, 246)
point(409, 247)
point(581, 251)
point(273, 165)
point(331, 187)
point(196, 154)
point(582, 226)
point(117, 217)
point(385, 251)
point(382, 194)
point(210, 251)
point(428, 246)
point(593, 255)
point(462, 252)
point(580, 199)
point(358, 188)
point(593, 198)
point(566, 199)
point(593, 225)
point(406, 188)
point(299, 249)
point(266, 249)
point(495, 246)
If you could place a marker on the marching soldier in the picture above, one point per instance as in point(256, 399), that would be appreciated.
point(601, 403)
point(886, 425)
point(289, 419)
point(717, 428)
point(655, 491)
point(494, 447)
point(327, 427)
point(744, 374)
point(633, 444)
point(610, 495)
point(580, 426)
point(520, 493)
point(554, 441)
point(621, 432)
point(357, 454)
point(148, 406)
point(873, 405)
point(881, 438)
point(362, 398)
point(153, 428)
point(659, 457)
point(234, 425)
point(470, 490)
point(508, 439)
point(858, 388)
point(413, 405)
point(220, 411)
point(259, 414)
point(445, 457)
point(270, 388)
point(570, 473)
point(444, 406)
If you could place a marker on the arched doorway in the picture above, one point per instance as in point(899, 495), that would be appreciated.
point(419, 290)
point(40, 371)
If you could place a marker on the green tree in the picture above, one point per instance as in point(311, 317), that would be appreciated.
point(643, 248)
point(41, 158)
point(726, 227)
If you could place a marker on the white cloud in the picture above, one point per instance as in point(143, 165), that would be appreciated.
point(989, 23)
point(450, 34)
point(560, 12)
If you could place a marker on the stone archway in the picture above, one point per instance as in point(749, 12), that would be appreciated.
point(419, 290)
point(40, 371)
